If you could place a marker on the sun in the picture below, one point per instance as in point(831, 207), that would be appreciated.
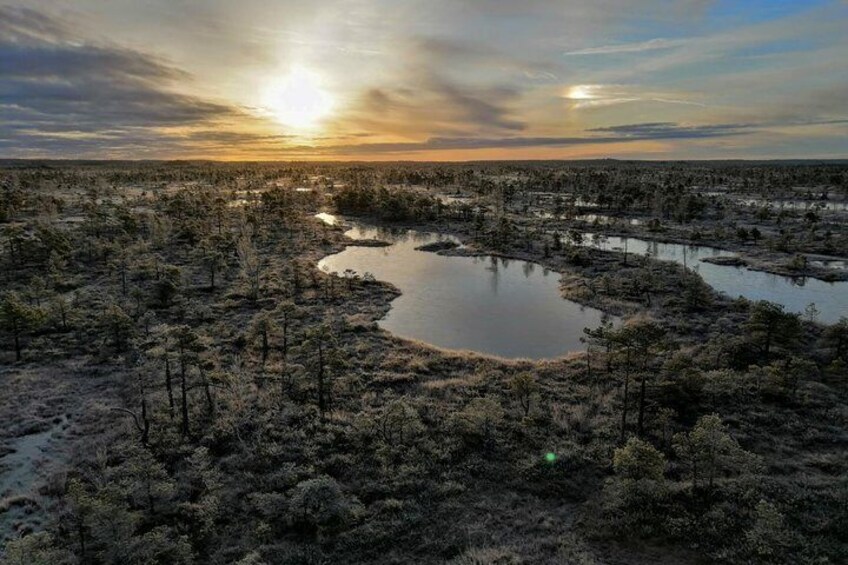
point(298, 99)
point(582, 92)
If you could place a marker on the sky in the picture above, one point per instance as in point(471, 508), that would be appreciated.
point(423, 79)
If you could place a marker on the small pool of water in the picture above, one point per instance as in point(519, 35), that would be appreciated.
point(328, 219)
point(604, 220)
point(836, 264)
point(29, 462)
point(453, 199)
point(501, 307)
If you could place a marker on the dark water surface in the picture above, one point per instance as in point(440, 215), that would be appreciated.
point(493, 306)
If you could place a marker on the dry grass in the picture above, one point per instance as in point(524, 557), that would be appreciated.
point(464, 381)
point(18, 500)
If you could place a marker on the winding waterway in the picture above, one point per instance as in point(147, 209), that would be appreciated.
point(794, 294)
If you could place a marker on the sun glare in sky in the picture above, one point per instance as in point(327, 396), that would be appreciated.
point(298, 99)
point(582, 92)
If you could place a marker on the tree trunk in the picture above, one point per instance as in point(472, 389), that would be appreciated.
point(81, 539)
point(321, 399)
point(694, 473)
point(169, 386)
point(641, 420)
point(145, 422)
point(285, 336)
point(207, 390)
point(624, 407)
point(17, 347)
point(768, 342)
point(184, 427)
point(150, 501)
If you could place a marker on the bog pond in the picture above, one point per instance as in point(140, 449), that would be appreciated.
point(501, 307)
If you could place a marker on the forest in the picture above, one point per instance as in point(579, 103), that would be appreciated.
point(182, 384)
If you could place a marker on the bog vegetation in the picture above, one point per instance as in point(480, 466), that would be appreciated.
point(215, 398)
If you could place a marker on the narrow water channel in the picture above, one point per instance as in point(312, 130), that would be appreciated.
point(795, 294)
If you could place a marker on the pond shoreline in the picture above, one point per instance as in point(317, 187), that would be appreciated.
point(468, 305)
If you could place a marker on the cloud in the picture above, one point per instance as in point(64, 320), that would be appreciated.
point(479, 108)
point(430, 101)
point(606, 135)
point(599, 95)
point(462, 56)
point(142, 143)
point(650, 45)
point(24, 25)
point(670, 130)
point(51, 81)
point(149, 144)
point(597, 11)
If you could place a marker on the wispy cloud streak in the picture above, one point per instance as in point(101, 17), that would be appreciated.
point(639, 47)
